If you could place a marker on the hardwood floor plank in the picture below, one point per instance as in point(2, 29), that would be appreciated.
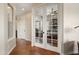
point(24, 47)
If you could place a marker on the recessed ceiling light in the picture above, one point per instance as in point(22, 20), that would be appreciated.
point(8, 7)
point(23, 9)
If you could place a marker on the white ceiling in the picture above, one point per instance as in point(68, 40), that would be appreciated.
point(26, 6)
point(22, 7)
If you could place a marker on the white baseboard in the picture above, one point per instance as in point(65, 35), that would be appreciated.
point(27, 40)
point(24, 39)
point(11, 49)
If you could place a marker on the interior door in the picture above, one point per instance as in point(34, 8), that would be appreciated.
point(39, 33)
point(52, 28)
point(47, 28)
point(21, 29)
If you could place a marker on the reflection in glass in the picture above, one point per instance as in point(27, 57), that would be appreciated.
point(52, 31)
point(39, 30)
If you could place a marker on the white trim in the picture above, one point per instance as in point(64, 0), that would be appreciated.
point(11, 49)
point(27, 40)
point(11, 38)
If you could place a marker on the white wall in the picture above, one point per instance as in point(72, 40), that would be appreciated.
point(2, 29)
point(28, 25)
point(5, 44)
point(21, 30)
point(71, 19)
point(24, 21)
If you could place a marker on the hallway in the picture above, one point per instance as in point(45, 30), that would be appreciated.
point(38, 26)
point(23, 47)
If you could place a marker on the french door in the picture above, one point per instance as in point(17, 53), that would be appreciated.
point(46, 28)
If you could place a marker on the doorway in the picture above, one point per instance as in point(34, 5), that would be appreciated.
point(47, 32)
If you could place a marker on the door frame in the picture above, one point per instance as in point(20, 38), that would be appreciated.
point(60, 36)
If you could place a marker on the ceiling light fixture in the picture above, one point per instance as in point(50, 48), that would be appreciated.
point(9, 7)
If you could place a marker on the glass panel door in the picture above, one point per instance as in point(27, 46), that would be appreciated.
point(46, 28)
point(39, 29)
point(10, 21)
point(52, 29)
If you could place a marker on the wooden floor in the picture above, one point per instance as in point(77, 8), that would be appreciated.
point(24, 47)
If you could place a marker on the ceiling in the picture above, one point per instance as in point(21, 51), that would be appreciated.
point(22, 8)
